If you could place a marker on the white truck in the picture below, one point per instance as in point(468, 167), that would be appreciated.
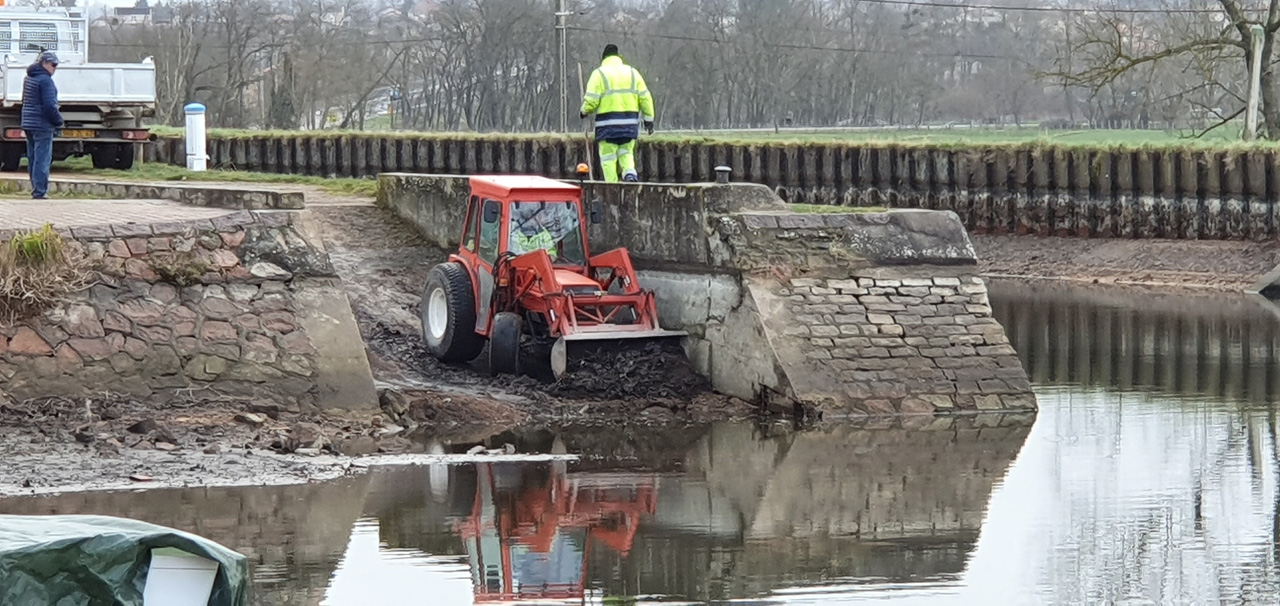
point(102, 104)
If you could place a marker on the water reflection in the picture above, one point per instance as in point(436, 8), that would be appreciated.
point(742, 511)
point(1181, 343)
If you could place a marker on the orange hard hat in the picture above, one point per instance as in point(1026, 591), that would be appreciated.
point(583, 168)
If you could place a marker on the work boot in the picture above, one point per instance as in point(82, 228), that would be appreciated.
point(631, 178)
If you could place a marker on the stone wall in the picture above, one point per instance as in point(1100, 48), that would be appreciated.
point(220, 306)
point(825, 314)
point(1031, 189)
point(216, 195)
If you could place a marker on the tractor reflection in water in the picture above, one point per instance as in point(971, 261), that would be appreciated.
point(532, 527)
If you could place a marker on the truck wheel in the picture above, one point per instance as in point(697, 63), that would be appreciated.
point(124, 157)
point(104, 156)
point(504, 344)
point(11, 156)
point(448, 312)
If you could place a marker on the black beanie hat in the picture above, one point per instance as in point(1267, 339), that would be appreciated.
point(610, 50)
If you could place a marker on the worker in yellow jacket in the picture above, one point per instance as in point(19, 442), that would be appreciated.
point(617, 95)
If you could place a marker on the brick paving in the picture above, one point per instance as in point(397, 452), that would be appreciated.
point(29, 214)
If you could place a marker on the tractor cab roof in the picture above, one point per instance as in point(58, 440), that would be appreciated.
point(504, 187)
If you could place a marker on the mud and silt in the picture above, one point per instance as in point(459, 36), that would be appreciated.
point(383, 264)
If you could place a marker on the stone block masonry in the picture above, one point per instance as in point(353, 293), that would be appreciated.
point(910, 345)
point(220, 306)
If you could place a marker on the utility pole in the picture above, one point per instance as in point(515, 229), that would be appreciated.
point(1255, 83)
point(562, 30)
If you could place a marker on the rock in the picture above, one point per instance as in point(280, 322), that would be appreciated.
point(390, 431)
point(250, 418)
point(118, 249)
point(219, 308)
point(225, 259)
point(394, 403)
point(260, 349)
point(67, 358)
point(309, 452)
point(82, 321)
point(305, 435)
point(143, 311)
point(164, 293)
point(137, 246)
point(166, 446)
point(96, 349)
point(114, 320)
point(509, 448)
point(264, 408)
point(359, 446)
point(475, 450)
point(269, 271)
point(218, 332)
point(233, 239)
point(279, 322)
point(248, 322)
point(143, 427)
point(296, 342)
point(210, 241)
point(214, 448)
point(139, 269)
point(27, 343)
point(139, 477)
point(242, 293)
point(154, 334)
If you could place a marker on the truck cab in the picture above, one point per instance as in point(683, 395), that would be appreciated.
point(102, 104)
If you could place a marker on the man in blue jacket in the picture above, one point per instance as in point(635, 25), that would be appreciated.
point(40, 119)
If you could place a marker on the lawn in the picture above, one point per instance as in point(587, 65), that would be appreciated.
point(166, 172)
point(958, 136)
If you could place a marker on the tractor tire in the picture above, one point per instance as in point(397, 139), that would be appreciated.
point(448, 312)
point(11, 156)
point(504, 343)
point(124, 157)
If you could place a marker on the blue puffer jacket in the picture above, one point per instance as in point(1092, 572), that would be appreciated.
point(40, 101)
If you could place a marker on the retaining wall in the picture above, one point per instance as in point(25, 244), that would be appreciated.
point(215, 195)
point(236, 305)
point(831, 314)
point(1191, 194)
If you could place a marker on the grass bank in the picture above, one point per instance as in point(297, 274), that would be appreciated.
point(165, 172)
point(958, 137)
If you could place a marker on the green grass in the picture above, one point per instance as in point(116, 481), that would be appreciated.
point(824, 209)
point(985, 137)
point(166, 172)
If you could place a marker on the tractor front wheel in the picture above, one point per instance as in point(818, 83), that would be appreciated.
point(504, 343)
point(448, 311)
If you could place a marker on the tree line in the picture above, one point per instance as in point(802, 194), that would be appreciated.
point(493, 65)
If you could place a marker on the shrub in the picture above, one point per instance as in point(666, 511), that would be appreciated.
point(181, 269)
point(37, 271)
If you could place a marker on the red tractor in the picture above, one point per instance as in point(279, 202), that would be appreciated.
point(523, 274)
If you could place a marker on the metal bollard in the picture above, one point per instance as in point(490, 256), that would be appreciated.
point(722, 174)
point(197, 157)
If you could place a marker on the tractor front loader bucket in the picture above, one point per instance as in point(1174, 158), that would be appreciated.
point(578, 346)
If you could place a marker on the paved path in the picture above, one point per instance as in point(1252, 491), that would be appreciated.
point(29, 214)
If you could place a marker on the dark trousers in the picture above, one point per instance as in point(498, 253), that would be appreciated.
point(39, 157)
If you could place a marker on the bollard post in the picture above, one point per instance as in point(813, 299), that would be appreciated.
point(722, 174)
point(196, 137)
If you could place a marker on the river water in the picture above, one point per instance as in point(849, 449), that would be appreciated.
point(1149, 477)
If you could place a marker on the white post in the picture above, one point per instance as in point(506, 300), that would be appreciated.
point(1255, 84)
point(196, 154)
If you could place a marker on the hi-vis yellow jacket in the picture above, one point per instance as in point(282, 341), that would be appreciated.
point(618, 96)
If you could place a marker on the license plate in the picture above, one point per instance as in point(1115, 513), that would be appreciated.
point(78, 134)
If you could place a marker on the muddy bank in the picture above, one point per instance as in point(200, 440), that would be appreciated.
point(1216, 265)
point(383, 264)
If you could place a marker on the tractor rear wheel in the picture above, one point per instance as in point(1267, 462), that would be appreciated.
point(448, 312)
point(504, 343)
